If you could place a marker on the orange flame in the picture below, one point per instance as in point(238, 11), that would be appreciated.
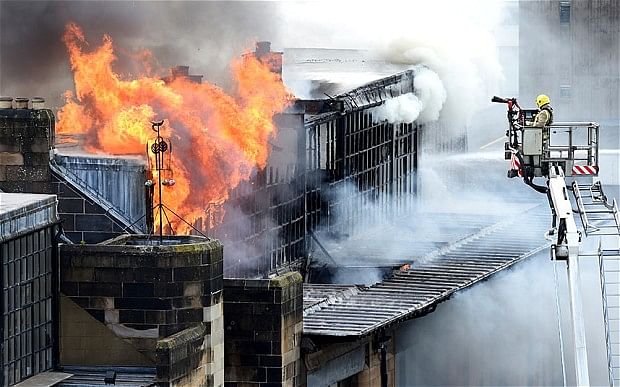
point(217, 139)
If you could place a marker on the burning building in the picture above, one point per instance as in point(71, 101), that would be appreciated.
point(274, 179)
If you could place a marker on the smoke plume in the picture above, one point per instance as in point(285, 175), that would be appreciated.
point(424, 105)
point(454, 39)
point(383, 233)
point(503, 332)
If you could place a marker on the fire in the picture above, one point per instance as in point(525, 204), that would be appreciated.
point(217, 139)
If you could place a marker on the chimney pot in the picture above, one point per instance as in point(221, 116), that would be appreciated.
point(263, 48)
point(38, 103)
point(21, 103)
point(6, 102)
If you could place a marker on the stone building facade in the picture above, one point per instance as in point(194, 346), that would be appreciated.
point(132, 301)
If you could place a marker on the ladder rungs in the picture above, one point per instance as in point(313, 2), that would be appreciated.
point(587, 186)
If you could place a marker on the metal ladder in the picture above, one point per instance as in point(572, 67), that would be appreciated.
point(601, 218)
point(597, 215)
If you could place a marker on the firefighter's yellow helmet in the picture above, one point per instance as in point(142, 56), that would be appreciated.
point(542, 100)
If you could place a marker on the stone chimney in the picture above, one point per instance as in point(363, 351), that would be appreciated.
point(182, 72)
point(26, 138)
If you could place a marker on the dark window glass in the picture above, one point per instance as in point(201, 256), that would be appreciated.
point(565, 91)
point(564, 12)
point(26, 292)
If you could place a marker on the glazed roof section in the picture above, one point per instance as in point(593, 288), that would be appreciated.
point(98, 177)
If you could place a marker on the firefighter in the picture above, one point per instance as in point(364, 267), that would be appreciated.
point(545, 113)
point(543, 119)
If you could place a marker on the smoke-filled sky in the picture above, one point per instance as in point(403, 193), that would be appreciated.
point(206, 34)
point(203, 35)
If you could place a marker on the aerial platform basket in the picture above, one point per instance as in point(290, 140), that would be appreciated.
point(578, 154)
point(573, 146)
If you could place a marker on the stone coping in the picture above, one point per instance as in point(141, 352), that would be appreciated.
point(181, 338)
point(141, 243)
point(279, 282)
point(85, 160)
point(20, 212)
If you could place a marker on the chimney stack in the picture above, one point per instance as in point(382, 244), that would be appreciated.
point(270, 58)
point(262, 48)
point(179, 71)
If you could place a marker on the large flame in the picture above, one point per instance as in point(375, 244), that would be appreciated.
point(217, 139)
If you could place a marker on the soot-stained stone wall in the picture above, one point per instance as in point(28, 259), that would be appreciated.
point(82, 219)
point(26, 137)
point(146, 293)
point(263, 325)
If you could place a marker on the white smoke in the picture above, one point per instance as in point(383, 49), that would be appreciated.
point(404, 108)
point(459, 46)
point(504, 332)
point(453, 38)
point(424, 105)
point(431, 91)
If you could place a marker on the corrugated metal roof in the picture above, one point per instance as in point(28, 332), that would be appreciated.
point(340, 310)
point(317, 294)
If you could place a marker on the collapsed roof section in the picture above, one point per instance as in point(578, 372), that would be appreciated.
point(380, 90)
point(369, 95)
point(356, 311)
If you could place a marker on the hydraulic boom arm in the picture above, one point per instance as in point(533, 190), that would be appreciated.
point(567, 247)
point(550, 152)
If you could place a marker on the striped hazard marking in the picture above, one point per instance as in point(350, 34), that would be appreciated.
point(515, 164)
point(585, 170)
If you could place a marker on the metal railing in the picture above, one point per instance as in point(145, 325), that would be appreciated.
point(580, 145)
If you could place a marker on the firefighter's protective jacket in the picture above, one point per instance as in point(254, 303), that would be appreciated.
point(544, 117)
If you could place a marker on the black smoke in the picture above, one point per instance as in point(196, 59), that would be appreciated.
point(203, 35)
